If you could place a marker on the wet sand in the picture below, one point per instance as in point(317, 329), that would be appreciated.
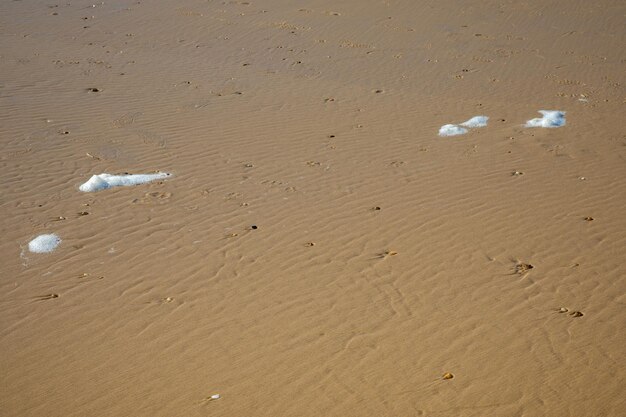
point(319, 250)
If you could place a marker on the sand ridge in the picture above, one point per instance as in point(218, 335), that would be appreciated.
point(320, 250)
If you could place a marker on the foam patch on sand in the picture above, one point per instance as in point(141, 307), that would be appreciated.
point(44, 243)
point(476, 121)
point(105, 181)
point(454, 130)
point(451, 130)
point(551, 118)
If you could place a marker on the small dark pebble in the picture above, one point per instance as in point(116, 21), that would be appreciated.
point(93, 90)
point(254, 227)
point(376, 208)
point(588, 218)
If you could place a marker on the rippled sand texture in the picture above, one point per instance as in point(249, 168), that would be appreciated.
point(384, 256)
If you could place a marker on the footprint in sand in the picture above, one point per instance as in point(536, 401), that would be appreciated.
point(154, 197)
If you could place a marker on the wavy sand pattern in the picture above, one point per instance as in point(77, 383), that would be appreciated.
point(319, 250)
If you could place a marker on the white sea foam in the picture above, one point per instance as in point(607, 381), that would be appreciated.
point(451, 130)
point(551, 118)
point(454, 130)
point(104, 181)
point(476, 121)
point(44, 243)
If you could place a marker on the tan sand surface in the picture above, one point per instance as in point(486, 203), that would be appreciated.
point(302, 118)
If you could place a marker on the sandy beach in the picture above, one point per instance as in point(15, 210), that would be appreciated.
point(306, 237)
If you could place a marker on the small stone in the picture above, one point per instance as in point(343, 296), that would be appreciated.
point(562, 310)
point(576, 314)
point(254, 227)
point(588, 218)
point(447, 375)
